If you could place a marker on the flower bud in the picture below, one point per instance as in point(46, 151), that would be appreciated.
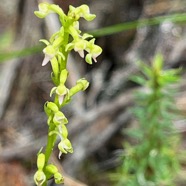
point(81, 85)
point(52, 106)
point(40, 161)
point(63, 76)
point(51, 169)
point(84, 83)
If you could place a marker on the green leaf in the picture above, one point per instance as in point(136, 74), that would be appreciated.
point(138, 79)
point(174, 18)
point(4, 55)
point(158, 62)
point(134, 133)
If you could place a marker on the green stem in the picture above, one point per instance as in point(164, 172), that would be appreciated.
point(49, 148)
point(65, 53)
point(50, 145)
point(52, 138)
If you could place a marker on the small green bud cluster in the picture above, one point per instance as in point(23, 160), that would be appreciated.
point(50, 171)
point(56, 52)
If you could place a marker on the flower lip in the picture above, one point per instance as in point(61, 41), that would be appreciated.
point(46, 59)
point(49, 52)
point(81, 53)
point(61, 91)
point(61, 98)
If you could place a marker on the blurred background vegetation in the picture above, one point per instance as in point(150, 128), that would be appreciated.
point(128, 31)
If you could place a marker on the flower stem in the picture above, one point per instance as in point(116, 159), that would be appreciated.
point(50, 144)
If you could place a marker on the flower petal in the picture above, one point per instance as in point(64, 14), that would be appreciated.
point(81, 53)
point(46, 59)
point(61, 98)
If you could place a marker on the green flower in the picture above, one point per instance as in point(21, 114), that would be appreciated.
point(49, 52)
point(58, 178)
point(52, 169)
point(81, 11)
point(39, 177)
point(47, 8)
point(44, 10)
point(65, 146)
point(79, 45)
point(61, 91)
point(93, 51)
point(59, 118)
